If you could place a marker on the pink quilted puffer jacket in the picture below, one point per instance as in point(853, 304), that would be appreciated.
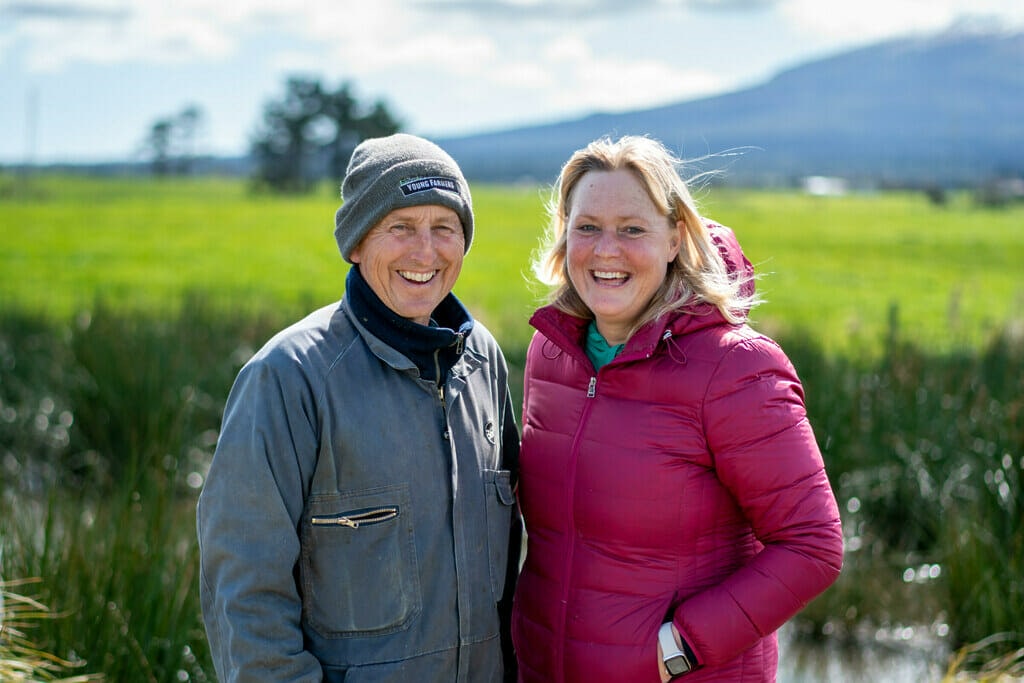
point(680, 482)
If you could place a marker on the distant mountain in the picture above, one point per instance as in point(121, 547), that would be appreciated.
point(946, 109)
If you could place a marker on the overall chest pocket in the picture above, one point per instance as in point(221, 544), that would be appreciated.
point(358, 563)
point(499, 499)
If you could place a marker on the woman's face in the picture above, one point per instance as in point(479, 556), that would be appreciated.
point(618, 247)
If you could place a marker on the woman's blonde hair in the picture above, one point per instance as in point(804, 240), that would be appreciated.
point(698, 274)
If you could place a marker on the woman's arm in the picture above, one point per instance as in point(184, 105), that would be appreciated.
point(766, 455)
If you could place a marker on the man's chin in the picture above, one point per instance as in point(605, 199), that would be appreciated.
point(417, 313)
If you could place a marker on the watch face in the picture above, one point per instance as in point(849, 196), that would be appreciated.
point(677, 665)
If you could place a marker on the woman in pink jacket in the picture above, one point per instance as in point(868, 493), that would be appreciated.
point(676, 503)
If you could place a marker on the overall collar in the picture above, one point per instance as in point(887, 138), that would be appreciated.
point(433, 348)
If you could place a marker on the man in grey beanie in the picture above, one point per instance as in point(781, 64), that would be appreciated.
point(358, 521)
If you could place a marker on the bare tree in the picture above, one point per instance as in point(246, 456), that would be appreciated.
point(158, 146)
point(170, 144)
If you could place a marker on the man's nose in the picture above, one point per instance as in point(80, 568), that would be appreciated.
point(423, 245)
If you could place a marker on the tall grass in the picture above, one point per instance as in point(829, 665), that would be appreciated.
point(925, 453)
point(977, 662)
point(20, 660)
point(102, 461)
point(106, 429)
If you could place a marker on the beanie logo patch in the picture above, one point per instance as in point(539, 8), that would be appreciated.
point(415, 185)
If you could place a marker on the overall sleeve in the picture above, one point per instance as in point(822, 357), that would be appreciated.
point(247, 521)
point(766, 455)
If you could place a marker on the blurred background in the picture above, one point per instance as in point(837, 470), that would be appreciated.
point(168, 174)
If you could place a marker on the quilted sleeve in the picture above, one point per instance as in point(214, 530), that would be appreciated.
point(766, 455)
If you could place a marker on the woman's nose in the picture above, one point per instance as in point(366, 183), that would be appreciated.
point(607, 244)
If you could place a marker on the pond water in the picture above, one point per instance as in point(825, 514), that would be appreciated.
point(911, 659)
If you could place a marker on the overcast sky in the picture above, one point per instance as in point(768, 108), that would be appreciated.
point(83, 80)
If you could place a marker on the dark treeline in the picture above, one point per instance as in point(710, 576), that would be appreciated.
point(303, 137)
point(108, 423)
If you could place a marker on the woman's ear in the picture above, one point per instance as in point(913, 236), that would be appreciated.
point(677, 239)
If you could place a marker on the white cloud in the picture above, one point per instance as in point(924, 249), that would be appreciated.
point(607, 82)
point(446, 66)
point(426, 52)
point(866, 20)
point(149, 31)
point(384, 33)
point(522, 75)
point(869, 20)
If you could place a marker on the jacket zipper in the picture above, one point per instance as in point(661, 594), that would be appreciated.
point(459, 344)
point(570, 506)
point(353, 519)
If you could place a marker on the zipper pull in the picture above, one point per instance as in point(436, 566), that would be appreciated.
point(335, 521)
point(460, 342)
point(592, 389)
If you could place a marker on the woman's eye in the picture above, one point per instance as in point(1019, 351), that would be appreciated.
point(586, 227)
point(634, 230)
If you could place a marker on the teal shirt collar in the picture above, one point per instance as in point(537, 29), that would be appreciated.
point(598, 350)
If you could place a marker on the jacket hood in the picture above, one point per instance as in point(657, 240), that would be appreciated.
point(736, 262)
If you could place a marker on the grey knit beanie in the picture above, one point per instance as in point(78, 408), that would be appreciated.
point(394, 172)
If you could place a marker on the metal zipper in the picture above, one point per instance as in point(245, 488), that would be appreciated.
point(354, 519)
point(570, 496)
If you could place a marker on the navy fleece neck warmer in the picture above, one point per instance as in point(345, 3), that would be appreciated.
point(434, 349)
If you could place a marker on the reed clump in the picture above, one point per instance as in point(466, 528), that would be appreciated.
point(108, 423)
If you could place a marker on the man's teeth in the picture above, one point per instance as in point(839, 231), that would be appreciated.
point(417, 277)
point(609, 275)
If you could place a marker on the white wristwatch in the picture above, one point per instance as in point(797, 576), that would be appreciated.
point(675, 659)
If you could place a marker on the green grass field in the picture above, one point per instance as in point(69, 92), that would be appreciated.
point(836, 266)
point(833, 267)
point(108, 420)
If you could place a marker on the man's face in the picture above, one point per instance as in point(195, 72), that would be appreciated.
point(412, 258)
